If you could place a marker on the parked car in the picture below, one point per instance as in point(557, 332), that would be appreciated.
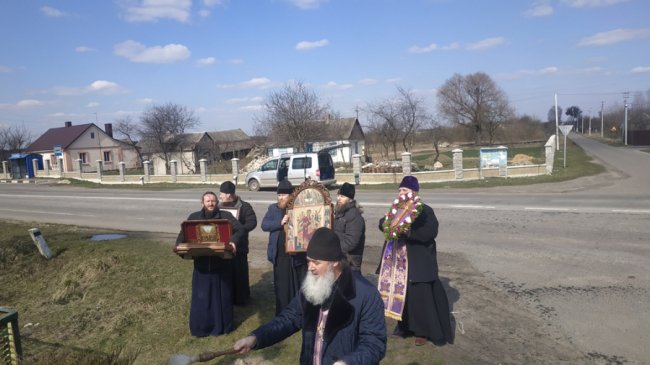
point(296, 168)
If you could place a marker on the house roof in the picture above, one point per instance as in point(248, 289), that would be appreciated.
point(340, 129)
point(55, 136)
point(229, 135)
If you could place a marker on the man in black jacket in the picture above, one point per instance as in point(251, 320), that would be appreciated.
point(350, 226)
point(341, 315)
point(245, 214)
point(211, 309)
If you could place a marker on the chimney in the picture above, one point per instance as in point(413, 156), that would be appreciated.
point(108, 128)
point(68, 124)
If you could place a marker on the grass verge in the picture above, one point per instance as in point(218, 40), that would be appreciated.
point(127, 302)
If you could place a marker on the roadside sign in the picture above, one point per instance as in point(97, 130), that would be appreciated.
point(566, 128)
point(57, 150)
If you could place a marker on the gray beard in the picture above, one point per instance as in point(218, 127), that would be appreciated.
point(340, 208)
point(318, 289)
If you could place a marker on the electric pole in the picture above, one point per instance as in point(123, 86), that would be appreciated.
point(625, 96)
point(602, 104)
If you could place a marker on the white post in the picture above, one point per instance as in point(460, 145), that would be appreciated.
point(80, 164)
point(356, 168)
point(100, 164)
point(146, 170)
point(174, 170)
point(122, 167)
point(406, 163)
point(235, 169)
point(203, 165)
point(557, 128)
point(458, 163)
point(60, 166)
point(5, 168)
point(35, 167)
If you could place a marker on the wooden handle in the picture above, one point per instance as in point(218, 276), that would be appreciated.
point(207, 356)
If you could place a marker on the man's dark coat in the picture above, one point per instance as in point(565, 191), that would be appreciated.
point(350, 227)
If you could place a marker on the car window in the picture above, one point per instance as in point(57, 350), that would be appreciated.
point(301, 163)
point(271, 165)
point(284, 163)
point(324, 160)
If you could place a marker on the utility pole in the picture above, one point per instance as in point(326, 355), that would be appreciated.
point(602, 104)
point(625, 96)
point(590, 122)
point(557, 128)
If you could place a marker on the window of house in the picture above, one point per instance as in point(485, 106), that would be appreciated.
point(83, 156)
point(107, 156)
point(92, 135)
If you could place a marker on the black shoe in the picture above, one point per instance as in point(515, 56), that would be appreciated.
point(398, 332)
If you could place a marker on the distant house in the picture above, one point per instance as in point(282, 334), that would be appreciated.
point(232, 143)
point(342, 137)
point(85, 142)
point(188, 150)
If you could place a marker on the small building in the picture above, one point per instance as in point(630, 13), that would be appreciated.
point(344, 138)
point(21, 165)
point(85, 142)
point(186, 149)
point(232, 143)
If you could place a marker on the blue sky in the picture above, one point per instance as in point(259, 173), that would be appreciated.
point(87, 61)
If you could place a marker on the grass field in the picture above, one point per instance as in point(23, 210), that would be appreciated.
point(127, 302)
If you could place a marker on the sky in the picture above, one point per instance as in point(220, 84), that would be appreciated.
point(100, 61)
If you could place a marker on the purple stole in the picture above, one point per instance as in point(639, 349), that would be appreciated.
point(393, 277)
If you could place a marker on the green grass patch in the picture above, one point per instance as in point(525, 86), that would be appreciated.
point(127, 302)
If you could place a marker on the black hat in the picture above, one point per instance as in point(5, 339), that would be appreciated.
point(324, 245)
point(410, 182)
point(227, 187)
point(347, 190)
point(285, 187)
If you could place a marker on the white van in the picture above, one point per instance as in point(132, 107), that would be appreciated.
point(295, 167)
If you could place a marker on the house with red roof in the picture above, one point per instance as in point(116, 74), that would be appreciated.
point(85, 142)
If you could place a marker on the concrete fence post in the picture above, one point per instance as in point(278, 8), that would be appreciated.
point(549, 154)
point(146, 165)
point(503, 165)
point(35, 167)
point(100, 166)
point(406, 163)
point(5, 168)
point(356, 168)
point(122, 167)
point(174, 169)
point(203, 165)
point(81, 167)
point(46, 166)
point(235, 169)
point(458, 164)
point(60, 166)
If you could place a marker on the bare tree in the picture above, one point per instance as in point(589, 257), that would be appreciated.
point(412, 115)
point(475, 102)
point(162, 128)
point(128, 129)
point(14, 139)
point(384, 122)
point(291, 115)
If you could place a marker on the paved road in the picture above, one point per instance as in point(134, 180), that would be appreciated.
point(576, 253)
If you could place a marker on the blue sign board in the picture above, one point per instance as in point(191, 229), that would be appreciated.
point(494, 157)
point(57, 150)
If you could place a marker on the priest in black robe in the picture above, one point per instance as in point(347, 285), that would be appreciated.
point(211, 309)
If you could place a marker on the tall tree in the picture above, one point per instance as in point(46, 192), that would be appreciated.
point(384, 122)
point(162, 127)
point(574, 112)
point(14, 139)
point(475, 102)
point(292, 114)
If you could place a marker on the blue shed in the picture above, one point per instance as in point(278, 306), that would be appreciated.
point(21, 166)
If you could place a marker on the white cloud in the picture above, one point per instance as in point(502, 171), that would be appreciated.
point(83, 49)
point(641, 69)
point(307, 4)
point(539, 9)
point(306, 45)
point(28, 103)
point(486, 44)
point(367, 81)
point(433, 47)
point(254, 83)
point(96, 87)
point(394, 80)
point(138, 52)
point(591, 3)
point(255, 99)
point(153, 10)
point(252, 107)
point(614, 36)
point(334, 86)
point(92, 104)
point(206, 61)
point(524, 73)
point(52, 12)
point(5, 69)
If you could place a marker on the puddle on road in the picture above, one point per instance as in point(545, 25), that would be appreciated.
point(107, 237)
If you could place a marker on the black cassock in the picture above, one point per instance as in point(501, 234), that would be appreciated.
point(211, 308)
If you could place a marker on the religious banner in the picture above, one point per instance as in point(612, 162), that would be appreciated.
point(310, 207)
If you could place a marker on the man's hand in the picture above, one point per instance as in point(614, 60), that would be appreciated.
point(244, 345)
point(285, 219)
point(233, 247)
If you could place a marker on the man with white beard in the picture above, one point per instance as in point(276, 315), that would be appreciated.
point(341, 315)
